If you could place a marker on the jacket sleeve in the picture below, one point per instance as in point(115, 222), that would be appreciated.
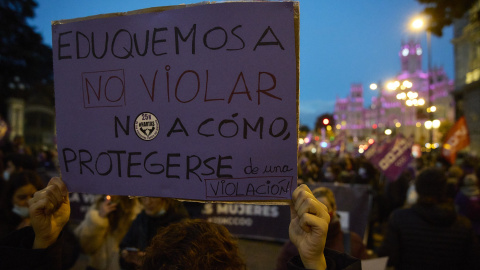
point(92, 231)
point(391, 242)
point(16, 252)
point(335, 261)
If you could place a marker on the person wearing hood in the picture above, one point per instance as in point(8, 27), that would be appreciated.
point(341, 241)
point(430, 234)
point(467, 200)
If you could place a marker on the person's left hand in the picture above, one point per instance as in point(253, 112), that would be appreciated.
point(49, 212)
point(308, 227)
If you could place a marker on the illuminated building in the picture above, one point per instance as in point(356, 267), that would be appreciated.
point(388, 111)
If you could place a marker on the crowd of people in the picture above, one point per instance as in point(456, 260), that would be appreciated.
point(429, 217)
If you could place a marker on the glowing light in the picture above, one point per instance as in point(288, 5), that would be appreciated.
point(388, 132)
point(371, 141)
point(428, 145)
point(447, 146)
point(418, 23)
point(436, 123)
point(317, 138)
point(391, 86)
point(436, 145)
point(374, 126)
point(108, 197)
point(360, 150)
point(301, 141)
point(326, 121)
point(344, 123)
point(428, 124)
point(307, 140)
point(418, 124)
point(421, 102)
point(314, 150)
point(398, 124)
point(323, 144)
point(409, 102)
point(339, 126)
point(373, 86)
point(433, 109)
point(415, 102)
point(329, 127)
point(407, 84)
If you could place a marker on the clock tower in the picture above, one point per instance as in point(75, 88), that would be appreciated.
point(411, 57)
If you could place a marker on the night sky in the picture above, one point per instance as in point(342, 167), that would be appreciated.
point(341, 42)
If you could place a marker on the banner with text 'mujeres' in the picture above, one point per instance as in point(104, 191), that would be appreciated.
point(191, 102)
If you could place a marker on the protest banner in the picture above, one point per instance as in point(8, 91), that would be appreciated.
point(457, 138)
point(396, 158)
point(270, 222)
point(260, 222)
point(196, 102)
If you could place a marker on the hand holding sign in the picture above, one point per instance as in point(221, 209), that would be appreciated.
point(308, 227)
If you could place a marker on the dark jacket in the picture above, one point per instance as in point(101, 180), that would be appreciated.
point(430, 236)
point(335, 261)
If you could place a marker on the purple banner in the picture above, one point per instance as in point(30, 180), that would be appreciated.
point(196, 103)
point(397, 158)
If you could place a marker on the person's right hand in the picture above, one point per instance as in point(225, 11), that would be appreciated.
point(49, 212)
point(308, 227)
point(106, 207)
point(135, 257)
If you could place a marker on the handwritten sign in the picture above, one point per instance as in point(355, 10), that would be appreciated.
point(195, 102)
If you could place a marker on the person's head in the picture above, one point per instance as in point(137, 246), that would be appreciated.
point(193, 244)
point(156, 206)
point(325, 196)
point(431, 185)
point(19, 189)
point(18, 163)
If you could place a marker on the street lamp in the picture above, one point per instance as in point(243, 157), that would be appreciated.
point(419, 24)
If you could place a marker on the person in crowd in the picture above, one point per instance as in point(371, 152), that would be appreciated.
point(39, 246)
point(430, 234)
point(14, 205)
point(193, 244)
point(341, 241)
point(104, 226)
point(157, 213)
point(454, 174)
point(467, 200)
point(17, 163)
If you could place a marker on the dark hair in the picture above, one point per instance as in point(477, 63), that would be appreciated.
point(193, 244)
point(18, 180)
point(431, 183)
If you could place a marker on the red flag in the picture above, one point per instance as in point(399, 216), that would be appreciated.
point(456, 139)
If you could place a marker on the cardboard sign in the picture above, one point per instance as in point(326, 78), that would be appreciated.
point(194, 102)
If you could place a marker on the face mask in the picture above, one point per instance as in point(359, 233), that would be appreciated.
point(21, 211)
point(6, 175)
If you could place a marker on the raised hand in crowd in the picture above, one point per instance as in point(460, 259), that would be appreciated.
point(49, 212)
point(308, 227)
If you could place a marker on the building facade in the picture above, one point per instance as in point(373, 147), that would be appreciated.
point(401, 103)
point(466, 44)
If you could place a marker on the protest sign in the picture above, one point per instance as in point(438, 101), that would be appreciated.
point(192, 102)
point(457, 138)
point(396, 158)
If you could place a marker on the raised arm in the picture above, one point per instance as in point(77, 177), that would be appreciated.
point(308, 227)
point(49, 212)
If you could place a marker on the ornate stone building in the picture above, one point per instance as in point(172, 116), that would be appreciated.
point(401, 104)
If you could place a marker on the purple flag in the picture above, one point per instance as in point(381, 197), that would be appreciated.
point(396, 158)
